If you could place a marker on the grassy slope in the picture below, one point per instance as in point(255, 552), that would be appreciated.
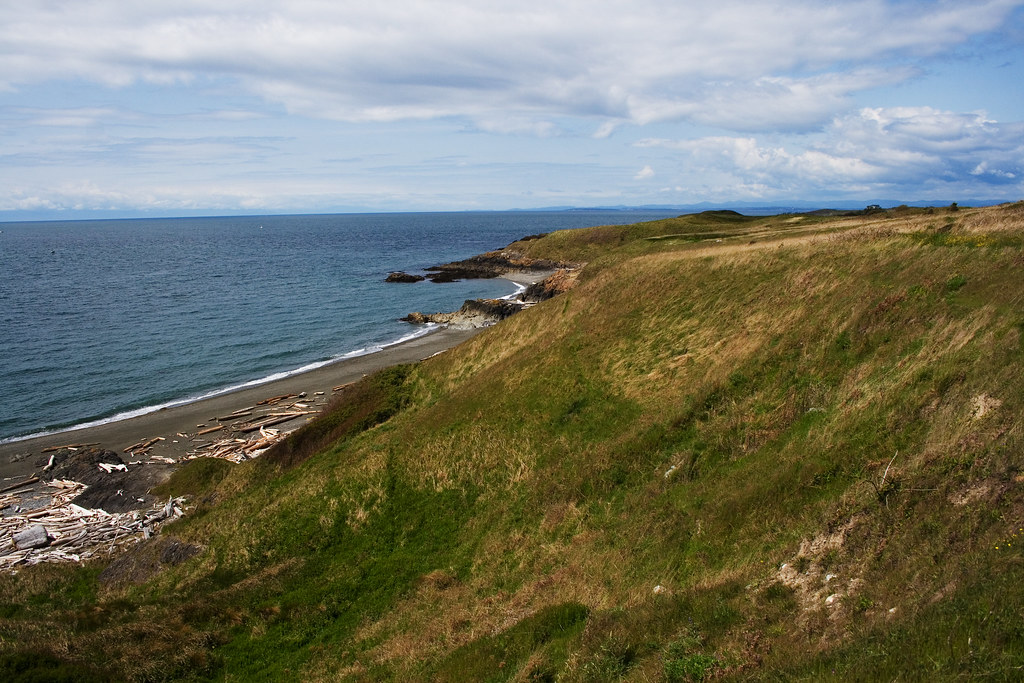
point(805, 431)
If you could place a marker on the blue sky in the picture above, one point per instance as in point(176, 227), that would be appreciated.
point(168, 108)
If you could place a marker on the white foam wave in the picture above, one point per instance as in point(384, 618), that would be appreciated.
point(520, 288)
point(137, 412)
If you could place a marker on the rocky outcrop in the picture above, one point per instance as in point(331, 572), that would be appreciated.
point(402, 276)
point(110, 487)
point(551, 286)
point(490, 265)
point(475, 313)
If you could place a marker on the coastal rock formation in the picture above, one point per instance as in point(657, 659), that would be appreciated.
point(402, 276)
point(110, 487)
point(475, 313)
point(551, 286)
point(490, 265)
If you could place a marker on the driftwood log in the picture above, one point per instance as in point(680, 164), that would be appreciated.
point(65, 532)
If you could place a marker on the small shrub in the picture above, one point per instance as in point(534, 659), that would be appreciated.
point(195, 479)
point(954, 283)
point(611, 662)
point(830, 559)
point(862, 604)
point(366, 403)
point(683, 665)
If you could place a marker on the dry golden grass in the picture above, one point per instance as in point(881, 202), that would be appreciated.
point(842, 396)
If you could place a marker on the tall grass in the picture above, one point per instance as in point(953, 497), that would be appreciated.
point(789, 453)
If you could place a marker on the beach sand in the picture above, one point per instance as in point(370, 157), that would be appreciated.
point(20, 459)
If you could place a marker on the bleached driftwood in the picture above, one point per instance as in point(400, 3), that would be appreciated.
point(210, 430)
point(240, 449)
point(70, 447)
point(19, 485)
point(65, 532)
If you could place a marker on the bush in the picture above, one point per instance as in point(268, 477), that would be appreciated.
point(695, 666)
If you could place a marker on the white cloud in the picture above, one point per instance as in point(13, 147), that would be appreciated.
point(644, 173)
point(738, 64)
point(320, 104)
point(875, 150)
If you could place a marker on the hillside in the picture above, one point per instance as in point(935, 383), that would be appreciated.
point(739, 448)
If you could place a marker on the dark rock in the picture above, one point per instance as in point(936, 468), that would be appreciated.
point(401, 276)
point(116, 491)
point(551, 286)
point(83, 466)
point(416, 318)
point(490, 309)
point(490, 265)
point(474, 313)
point(451, 276)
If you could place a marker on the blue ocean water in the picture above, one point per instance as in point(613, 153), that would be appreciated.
point(101, 319)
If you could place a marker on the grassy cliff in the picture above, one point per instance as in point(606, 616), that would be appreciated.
point(739, 448)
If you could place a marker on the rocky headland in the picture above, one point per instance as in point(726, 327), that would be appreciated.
point(492, 264)
point(474, 313)
point(543, 279)
point(477, 313)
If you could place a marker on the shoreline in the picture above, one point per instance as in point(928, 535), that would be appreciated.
point(19, 458)
point(213, 393)
point(23, 457)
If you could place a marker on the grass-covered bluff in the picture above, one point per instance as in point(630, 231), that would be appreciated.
point(740, 448)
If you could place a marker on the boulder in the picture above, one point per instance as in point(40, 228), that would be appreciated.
point(34, 536)
point(402, 276)
point(111, 484)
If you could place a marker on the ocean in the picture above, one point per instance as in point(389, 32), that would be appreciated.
point(104, 319)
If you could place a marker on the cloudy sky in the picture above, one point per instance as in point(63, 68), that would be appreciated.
point(180, 106)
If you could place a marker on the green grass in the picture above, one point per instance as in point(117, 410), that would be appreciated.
point(839, 395)
point(196, 479)
point(536, 647)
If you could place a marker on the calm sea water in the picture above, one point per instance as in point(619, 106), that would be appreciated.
point(103, 319)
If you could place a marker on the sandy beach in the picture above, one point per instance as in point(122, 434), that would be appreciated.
point(19, 459)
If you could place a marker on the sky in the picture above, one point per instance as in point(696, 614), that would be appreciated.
point(177, 107)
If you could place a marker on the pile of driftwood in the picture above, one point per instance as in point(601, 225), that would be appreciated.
point(258, 431)
point(238, 449)
point(62, 531)
point(143, 447)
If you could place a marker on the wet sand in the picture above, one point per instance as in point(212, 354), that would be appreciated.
point(19, 459)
